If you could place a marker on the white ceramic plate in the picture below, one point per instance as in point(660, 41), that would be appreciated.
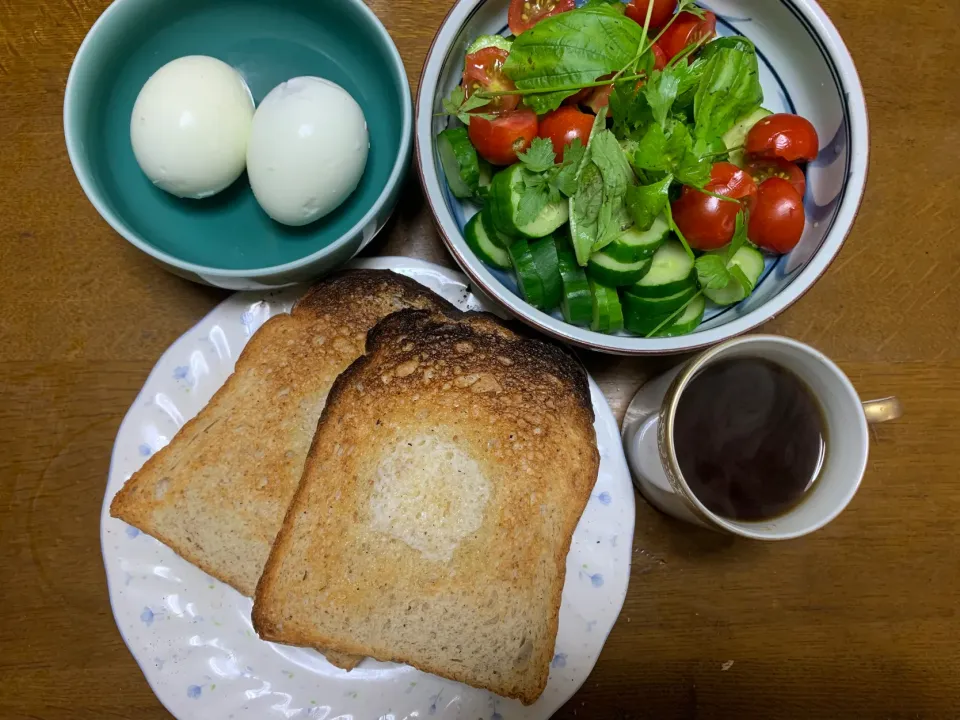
point(804, 68)
point(192, 634)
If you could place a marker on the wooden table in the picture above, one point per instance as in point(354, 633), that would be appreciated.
point(858, 620)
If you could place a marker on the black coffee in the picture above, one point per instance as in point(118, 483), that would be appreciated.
point(749, 437)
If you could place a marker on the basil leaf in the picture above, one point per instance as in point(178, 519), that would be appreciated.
point(606, 152)
point(729, 88)
point(569, 49)
point(585, 212)
point(646, 202)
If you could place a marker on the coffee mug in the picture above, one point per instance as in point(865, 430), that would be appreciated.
point(649, 443)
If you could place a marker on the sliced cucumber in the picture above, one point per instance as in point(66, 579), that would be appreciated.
point(672, 271)
point(643, 315)
point(746, 267)
point(547, 261)
point(633, 244)
point(496, 237)
point(476, 236)
point(688, 321)
point(736, 137)
point(613, 273)
point(528, 279)
point(485, 41)
point(504, 198)
point(577, 302)
point(460, 162)
point(607, 312)
point(486, 175)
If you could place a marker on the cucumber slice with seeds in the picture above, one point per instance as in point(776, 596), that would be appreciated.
point(476, 236)
point(547, 262)
point(746, 267)
point(613, 273)
point(634, 244)
point(504, 198)
point(688, 321)
point(672, 271)
point(459, 160)
point(485, 41)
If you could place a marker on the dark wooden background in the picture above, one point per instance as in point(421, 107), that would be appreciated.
point(859, 620)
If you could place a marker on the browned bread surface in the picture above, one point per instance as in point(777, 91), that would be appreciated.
point(448, 473)
point(218, 492)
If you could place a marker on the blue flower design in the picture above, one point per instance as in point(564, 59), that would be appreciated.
point(145, 450)
point(194, 691)
point(590, 624)
point(605, 498)
point(596, 579)
point(434, 699)
point(132, 532)
point(147, 616)
point(181, 372)
point(559, 660)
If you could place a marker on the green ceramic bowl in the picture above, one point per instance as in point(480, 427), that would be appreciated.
point(227, 240)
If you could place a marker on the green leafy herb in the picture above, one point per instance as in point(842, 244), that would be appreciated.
point(739, 234)
point(661, 92)
point(729, 88)
point(646, 202)
point(566, 180)
point(539, 157)
point(461, 106)
point(715, 271)
point(712, 272)
point(570, 49)
point(606, 152)
point(676, 230)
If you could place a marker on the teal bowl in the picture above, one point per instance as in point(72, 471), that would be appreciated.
point(227, 240)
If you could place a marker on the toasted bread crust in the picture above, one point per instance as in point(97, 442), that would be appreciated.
point(218, 492)
point(421, 372)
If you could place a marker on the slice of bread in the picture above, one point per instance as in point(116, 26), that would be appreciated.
point(218, 492)
point(432, 524)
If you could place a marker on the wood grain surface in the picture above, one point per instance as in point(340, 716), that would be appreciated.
point(859, 620)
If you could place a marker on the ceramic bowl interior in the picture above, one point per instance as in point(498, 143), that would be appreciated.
point(804, 67)
point(268, 41)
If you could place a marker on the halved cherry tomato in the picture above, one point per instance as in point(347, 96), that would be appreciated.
point(708, 222)
point(524, 14)
point(686, 30)
point(660, 58)
point(599, 97)
point(761, 170)
point(501, 139)
point(788, 137)
point(563, 126)
point(777, 220)
point(663, 10)
point(483, 70)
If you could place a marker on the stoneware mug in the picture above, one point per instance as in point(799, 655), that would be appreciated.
point(648, 438)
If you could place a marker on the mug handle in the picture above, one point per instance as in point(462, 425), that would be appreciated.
point(883, 410)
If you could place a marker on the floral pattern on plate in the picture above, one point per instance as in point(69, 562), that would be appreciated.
point(192, 635)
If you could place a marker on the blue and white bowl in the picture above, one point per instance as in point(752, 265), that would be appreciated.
point(805, 68)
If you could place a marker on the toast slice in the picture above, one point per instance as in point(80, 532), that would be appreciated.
point(431, 527)
point(218, 492)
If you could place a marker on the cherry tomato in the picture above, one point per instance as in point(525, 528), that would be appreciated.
point(761, 170)
point(580, 97)
point(707, 222)
point(686, 30)
point(788, 137)
point(663, 10)
point(483, 70)
point(660, 58)
point(524, 14)
point(777, 220)
point(501, 139)
point(599, 97)
point(563, 126)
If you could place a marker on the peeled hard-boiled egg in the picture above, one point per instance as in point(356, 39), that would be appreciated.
point(308, 149)
point(190, 126)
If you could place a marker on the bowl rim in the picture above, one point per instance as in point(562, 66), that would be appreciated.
point(75, 153)
point(848, 78)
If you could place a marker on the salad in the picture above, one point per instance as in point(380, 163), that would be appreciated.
point(627, 170)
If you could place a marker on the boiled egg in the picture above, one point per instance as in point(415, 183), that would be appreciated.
point(308, 149)
point(190, 126)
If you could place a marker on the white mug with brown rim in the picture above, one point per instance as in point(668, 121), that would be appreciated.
point(649, 443)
